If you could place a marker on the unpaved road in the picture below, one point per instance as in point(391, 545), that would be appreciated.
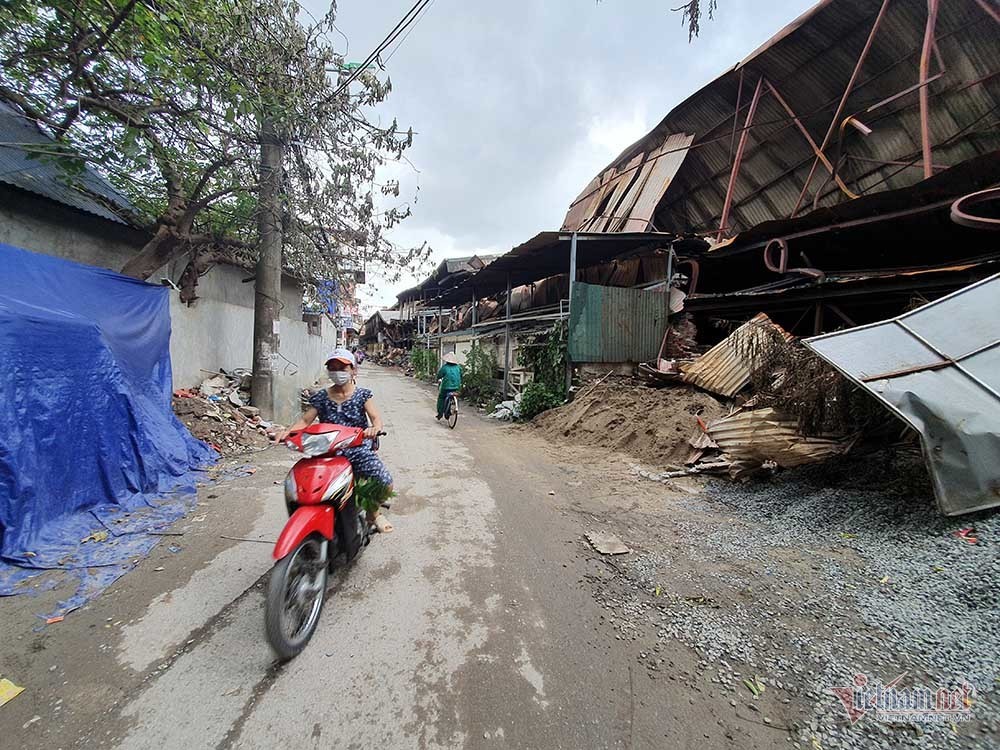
point(473, 625)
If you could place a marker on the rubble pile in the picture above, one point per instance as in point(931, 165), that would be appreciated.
point(218, 412)
point(393, 358)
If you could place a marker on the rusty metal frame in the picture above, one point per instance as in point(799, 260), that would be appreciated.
point(925, 65)
point(843, 101)
point(805, 133)
point(984, 4)
point(734, 173)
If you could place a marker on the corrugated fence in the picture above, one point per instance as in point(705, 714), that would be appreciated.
point(613, 324)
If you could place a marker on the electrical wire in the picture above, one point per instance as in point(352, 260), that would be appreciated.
point(411, 16)
point(409, 31)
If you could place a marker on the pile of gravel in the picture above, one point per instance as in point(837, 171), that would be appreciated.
point(825, 572)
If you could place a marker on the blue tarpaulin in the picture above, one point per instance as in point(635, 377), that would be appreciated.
point(88, 441)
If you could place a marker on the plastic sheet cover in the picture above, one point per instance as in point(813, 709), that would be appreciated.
point(91, 454)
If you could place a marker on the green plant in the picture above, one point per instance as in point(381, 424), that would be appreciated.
point(538, 397)
point(545, 355)
point(424, 362)
point(477, 375)
point(370, 493)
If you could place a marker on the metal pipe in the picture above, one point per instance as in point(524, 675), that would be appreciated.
point(925, 65)
point(572, 267)
point(843, 101)
point(474, 305)
point(506, 344)
point(802, 129)
point(724, 220)
point(993, 12)
point(670, 278)
point(736, 115)
point(572, 281)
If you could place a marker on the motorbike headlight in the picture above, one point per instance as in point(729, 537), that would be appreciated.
point(317, 445)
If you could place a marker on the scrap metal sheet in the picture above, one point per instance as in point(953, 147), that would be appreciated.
point(938, 369)
point(724, 369)
point(759, 435)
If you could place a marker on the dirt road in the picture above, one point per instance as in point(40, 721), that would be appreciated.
point(484, 621)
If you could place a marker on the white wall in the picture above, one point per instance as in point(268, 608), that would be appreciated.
point(217, 333)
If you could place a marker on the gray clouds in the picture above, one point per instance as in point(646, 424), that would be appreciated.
point(518, 104)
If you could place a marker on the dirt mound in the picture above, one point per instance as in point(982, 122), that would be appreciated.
point(652, 424)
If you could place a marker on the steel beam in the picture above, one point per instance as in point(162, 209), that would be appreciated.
point(728, 202)
point(843, 101)
point(925, 65)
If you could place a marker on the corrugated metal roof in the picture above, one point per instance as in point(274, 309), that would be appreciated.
point(19, 138)
point(938, 369)
point(809, 64)
point(723, 369)
point(547, 254)
point(623, 197)
point(760, 435)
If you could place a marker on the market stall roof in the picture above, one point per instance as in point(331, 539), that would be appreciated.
point(547, 254)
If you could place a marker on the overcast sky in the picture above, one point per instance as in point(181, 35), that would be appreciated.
point(517, 104)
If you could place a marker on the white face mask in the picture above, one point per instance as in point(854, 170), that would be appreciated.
point(339, 377)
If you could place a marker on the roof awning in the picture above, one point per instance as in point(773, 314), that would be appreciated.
point(547, 254)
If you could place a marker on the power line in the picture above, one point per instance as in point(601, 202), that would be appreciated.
point(400, 44)
point(404, 23)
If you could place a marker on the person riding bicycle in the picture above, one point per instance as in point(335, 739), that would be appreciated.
point(450, 378)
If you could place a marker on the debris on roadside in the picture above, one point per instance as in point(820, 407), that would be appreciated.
point(8, 691)
point(218, 412)
point(753, 438)
point(606, 544)
point(508, 411)
point(726, 368)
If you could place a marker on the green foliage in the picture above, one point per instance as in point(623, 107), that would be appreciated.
point(545, 356)
point(424, 362)
point(167, 101)
point(370, 493)
point(538, 397)
point(477, 375)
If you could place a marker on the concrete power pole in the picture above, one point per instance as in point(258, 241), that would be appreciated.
point(267, 286)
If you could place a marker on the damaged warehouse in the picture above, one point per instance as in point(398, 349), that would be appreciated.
point(810, 189)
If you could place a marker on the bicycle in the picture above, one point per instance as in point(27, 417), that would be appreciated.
point(451, 410)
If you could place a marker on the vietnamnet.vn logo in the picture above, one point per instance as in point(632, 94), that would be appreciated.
point(889, 702)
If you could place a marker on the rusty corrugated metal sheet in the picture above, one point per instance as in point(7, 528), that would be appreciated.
point(809, 63)
point(723, 370)
point(759, 435)
point(623, 198)
point(613, 324)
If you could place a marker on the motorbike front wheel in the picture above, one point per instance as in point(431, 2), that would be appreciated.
point(295, 593)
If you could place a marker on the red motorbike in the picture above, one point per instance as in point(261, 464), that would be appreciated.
point(325, 529)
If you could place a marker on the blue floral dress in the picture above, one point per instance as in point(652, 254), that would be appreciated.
point(351, 413)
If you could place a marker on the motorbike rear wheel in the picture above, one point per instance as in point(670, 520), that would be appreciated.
point(295, 594)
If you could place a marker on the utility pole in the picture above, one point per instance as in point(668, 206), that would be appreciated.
point(267, 286)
